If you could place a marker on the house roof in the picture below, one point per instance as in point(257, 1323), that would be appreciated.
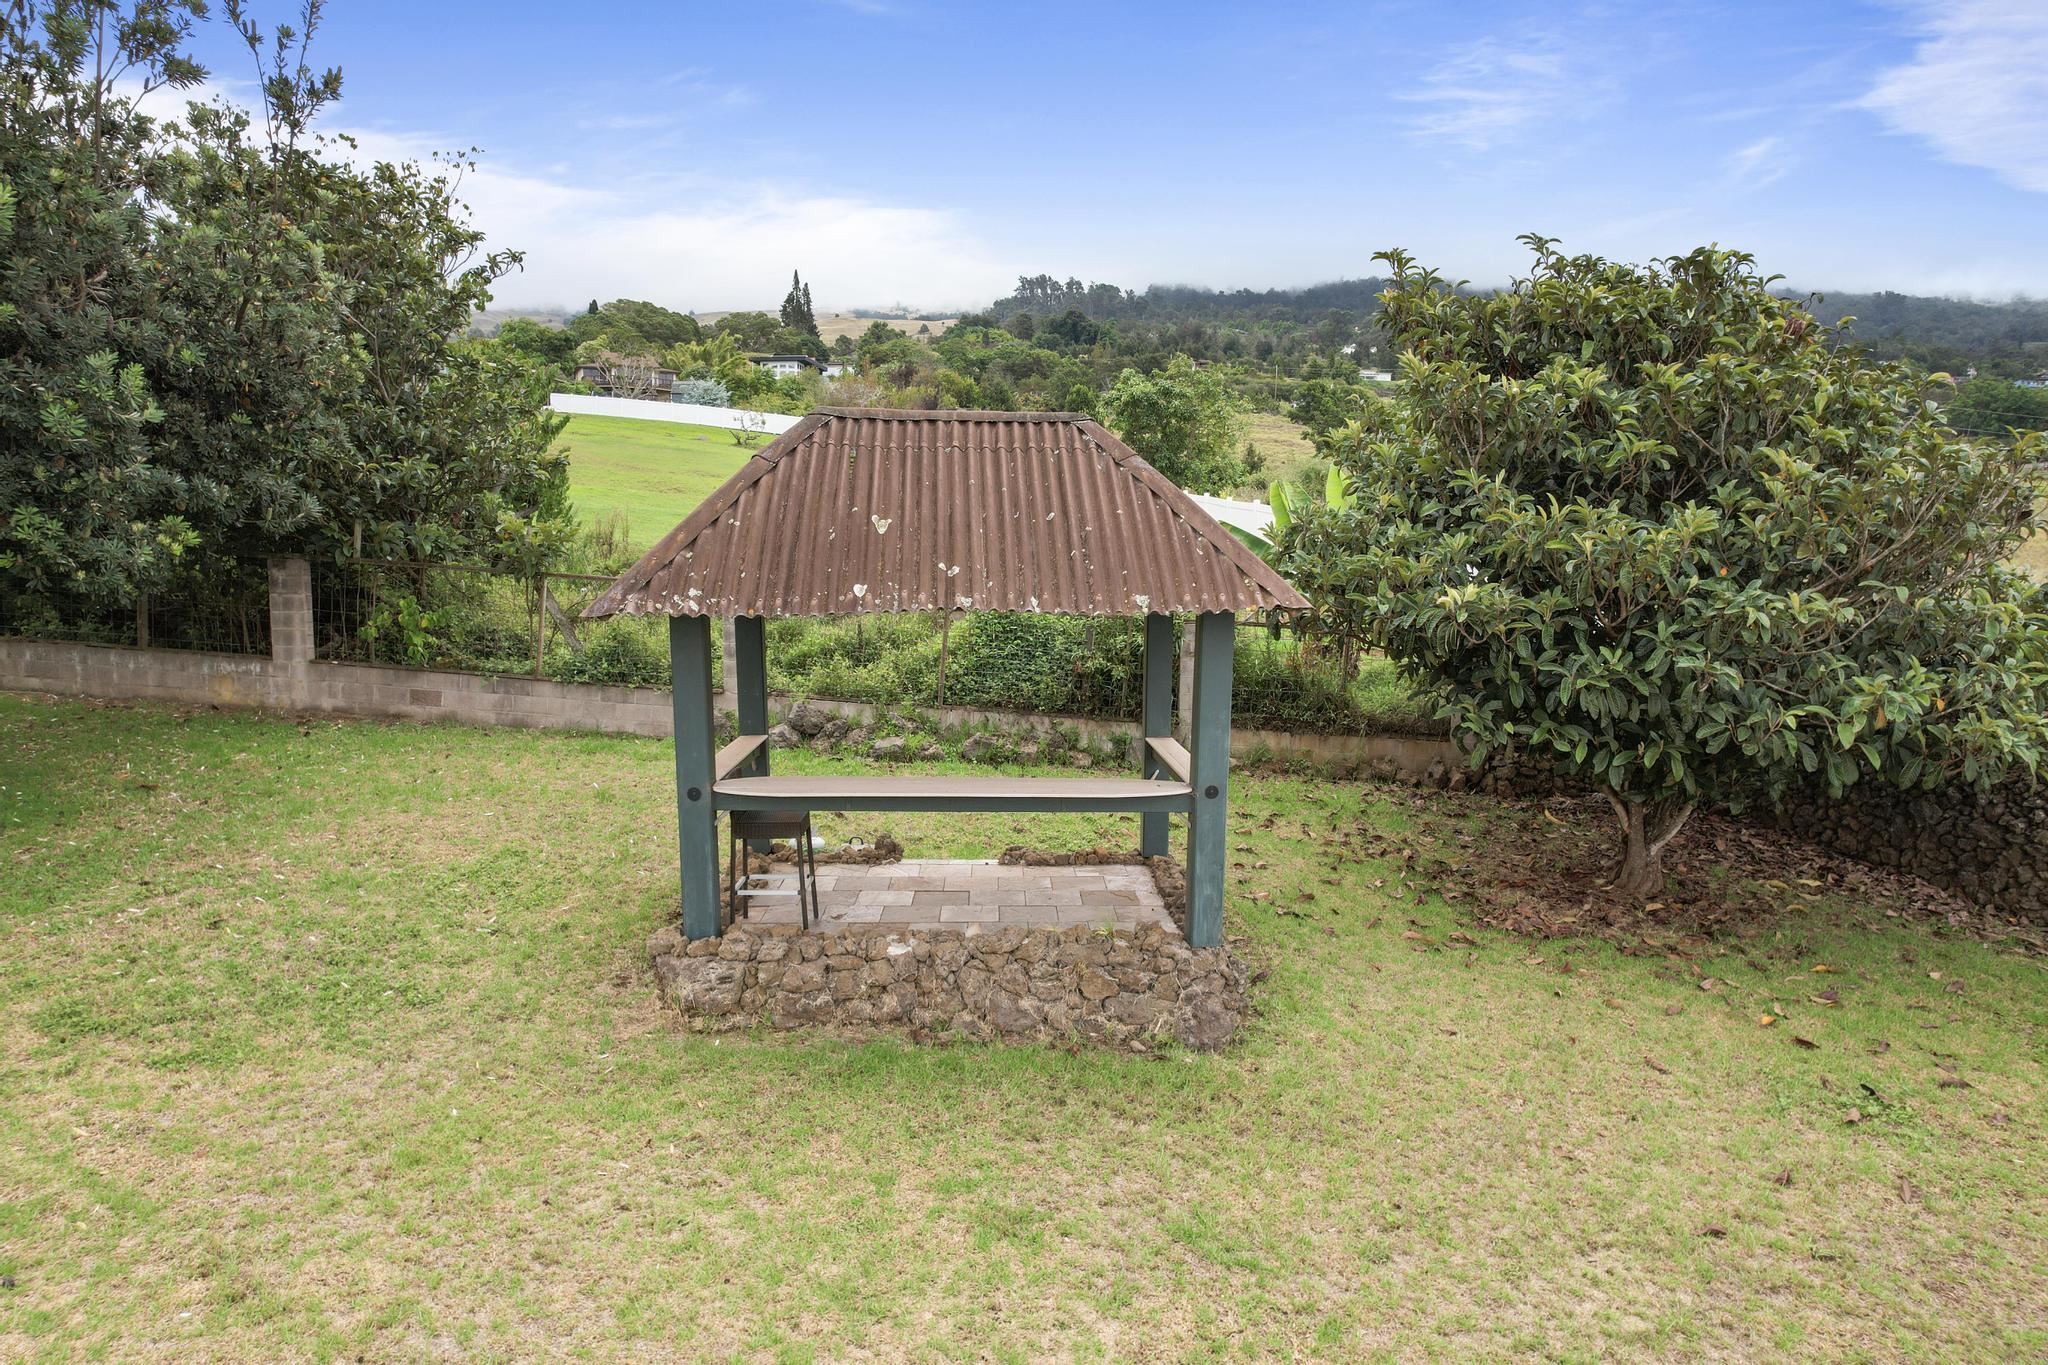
point(858, 510)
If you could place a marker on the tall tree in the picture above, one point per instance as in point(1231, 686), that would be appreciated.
point(268, 358)
point(1650, 524)
point(797, 315)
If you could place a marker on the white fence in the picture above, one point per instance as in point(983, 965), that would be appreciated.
point(649, 410)
point(1256, 517)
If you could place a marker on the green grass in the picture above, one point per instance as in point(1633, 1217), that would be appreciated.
point(650, 473)
point(335, 1040)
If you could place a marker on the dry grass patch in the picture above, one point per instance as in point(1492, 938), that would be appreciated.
point(1284, 443)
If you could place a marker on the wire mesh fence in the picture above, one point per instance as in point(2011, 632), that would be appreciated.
point(474, 619)
point(217, 604)
point(1067, 666)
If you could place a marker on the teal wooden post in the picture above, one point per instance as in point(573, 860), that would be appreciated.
point(1209, 733)
point(689, 662)
point(750, 702)
point(1158, 722)
point(750, 674)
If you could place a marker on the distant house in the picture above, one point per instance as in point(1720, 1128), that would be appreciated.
point(621, 380)
point(834, 368)
point(783, 366)
point(1375, 376)
point(2039, 381)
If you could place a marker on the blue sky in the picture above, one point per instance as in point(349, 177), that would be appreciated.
point(926, 152)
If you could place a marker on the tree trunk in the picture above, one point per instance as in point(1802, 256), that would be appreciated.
point(1647, 829)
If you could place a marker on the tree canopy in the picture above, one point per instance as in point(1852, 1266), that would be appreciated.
point(1990, 407)
point(1649, 523)
point(1184, 421)
point(222, 337)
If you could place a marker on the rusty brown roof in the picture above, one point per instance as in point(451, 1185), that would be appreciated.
point(878, 510)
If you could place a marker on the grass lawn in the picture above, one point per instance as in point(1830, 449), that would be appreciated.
point(333, 1040)
point(651, 473)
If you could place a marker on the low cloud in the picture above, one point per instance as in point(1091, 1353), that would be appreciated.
point(1977, 87)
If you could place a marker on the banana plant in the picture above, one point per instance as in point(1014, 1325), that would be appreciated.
point(1337, 496)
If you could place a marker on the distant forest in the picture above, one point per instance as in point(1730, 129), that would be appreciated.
point(2007, 340)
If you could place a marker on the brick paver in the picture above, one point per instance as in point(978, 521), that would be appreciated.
point(932, 894)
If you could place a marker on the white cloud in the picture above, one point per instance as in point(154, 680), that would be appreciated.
point(1488, 92)
point(683, 242)
point(1761, 163)
point(1976, 88)
point(732, 249)
point(688, 244)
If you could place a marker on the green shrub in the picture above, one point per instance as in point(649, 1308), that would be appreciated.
point(1274, 689)
point(623, 652)
point(880, 659)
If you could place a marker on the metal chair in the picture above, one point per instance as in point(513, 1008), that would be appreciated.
point(748, 826)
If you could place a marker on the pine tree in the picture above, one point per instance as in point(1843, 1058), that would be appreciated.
point(796, 310)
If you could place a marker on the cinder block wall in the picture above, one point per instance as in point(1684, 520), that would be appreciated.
point(291, 679)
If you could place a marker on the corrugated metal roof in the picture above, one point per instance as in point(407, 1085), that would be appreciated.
point(877, 510)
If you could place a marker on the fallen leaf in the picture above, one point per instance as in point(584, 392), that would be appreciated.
point(1783, 1179)
point(1655, 1065)
point(1954, 1083)
point(1674, 1008)
point(1708, 983)
point(1766, 1020)
point(1613, 1004)
point(1822, 969)
point(1806, 1043)
point(1713, 1230)
point(1853, 1116)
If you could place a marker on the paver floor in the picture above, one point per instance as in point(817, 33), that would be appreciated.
point(963, 895)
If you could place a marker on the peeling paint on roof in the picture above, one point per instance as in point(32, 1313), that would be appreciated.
point(877, 510)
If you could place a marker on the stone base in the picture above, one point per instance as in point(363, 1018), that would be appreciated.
point(1123, 989)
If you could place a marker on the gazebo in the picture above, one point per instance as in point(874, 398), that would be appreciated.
point(858, 510)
